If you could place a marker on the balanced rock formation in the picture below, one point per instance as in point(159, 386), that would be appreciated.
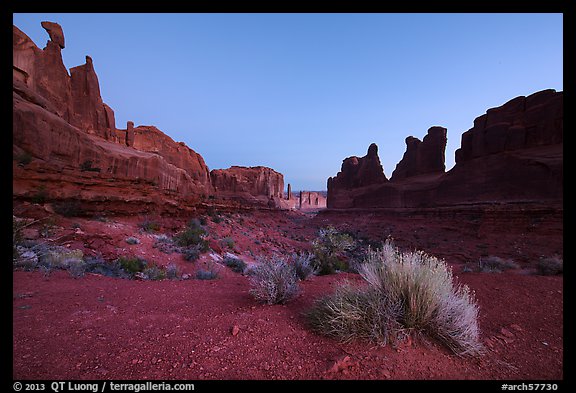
point(512, 154)
point(422, 157)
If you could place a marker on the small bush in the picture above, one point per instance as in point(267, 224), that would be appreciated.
point(227, 242)
point(194, 234)
point(149, 225)
point(132, 265)
point(211, 273)
point(236, 264)
point(172, 272)
point(550, 266)
point(491, 264)
point(132, 240)
point(274, 281)
point(192, 253)
point(303, 265)
point(153, 273)
point(329, 248)
point(77, 269)
point(406, 292)
point(165, 244)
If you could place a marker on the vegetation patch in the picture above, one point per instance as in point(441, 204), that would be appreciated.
point(274, 281)
point(550, 266)
point(406, 293)
point(329, 250)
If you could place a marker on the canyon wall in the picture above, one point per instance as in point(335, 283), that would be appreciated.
point(513, 153)
point(66, 145)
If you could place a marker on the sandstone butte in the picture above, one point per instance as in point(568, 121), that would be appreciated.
point(512, 154)
point(66, 146)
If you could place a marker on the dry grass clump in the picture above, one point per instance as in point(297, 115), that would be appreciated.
point(407, 292)
point(274, 281)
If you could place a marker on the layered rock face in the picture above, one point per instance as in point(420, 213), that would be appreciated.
point(512, 154)
point(422, 157)
point(66, 144)
point(257, 181)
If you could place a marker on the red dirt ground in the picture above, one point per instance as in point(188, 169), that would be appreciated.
point(98, 327)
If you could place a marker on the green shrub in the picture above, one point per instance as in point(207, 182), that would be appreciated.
point(132, 265)
point(273, 281)
point(40, 196)
point(236, 264)
point(550, 266)
point(153, 273)
point(194, 234)
point(329, 250)
point(406, 292)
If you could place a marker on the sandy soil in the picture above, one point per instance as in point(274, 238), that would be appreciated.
point(98, 327)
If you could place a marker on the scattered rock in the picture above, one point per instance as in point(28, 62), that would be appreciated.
point(235, 330)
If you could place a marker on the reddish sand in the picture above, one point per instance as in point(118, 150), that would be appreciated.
point(97, 327)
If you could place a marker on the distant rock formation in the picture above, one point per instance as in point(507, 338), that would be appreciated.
point(521, 123)
point(73, 150)
point(512, 154)
point(256, 181)
point(422, 157)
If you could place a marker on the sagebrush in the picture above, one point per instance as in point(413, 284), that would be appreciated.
point(407, 292)
point(274, 281)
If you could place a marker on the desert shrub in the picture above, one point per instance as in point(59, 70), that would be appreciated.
point(152, 272)
point(194, 234)
point(236, 264)
point(172, 272)
point(76, 269)
point(273, 281)
point(550, 266)
point(407, 292)
point(494, 264)
point(356, 313)
point(329, 248)
point(165, 244)
point(97, 265)
point(68, 208)
point(210, 273)
point(61, 257)
point(192, 253)
point(132, 240)
point(227, 242)
point(132, 265)
point(149, 225)
point(303, 265)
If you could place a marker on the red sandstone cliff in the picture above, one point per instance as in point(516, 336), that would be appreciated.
point(250, 183)
point(512, 154)
point(66, 144)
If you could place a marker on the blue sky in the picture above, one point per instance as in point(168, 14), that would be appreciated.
point(301, 92)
